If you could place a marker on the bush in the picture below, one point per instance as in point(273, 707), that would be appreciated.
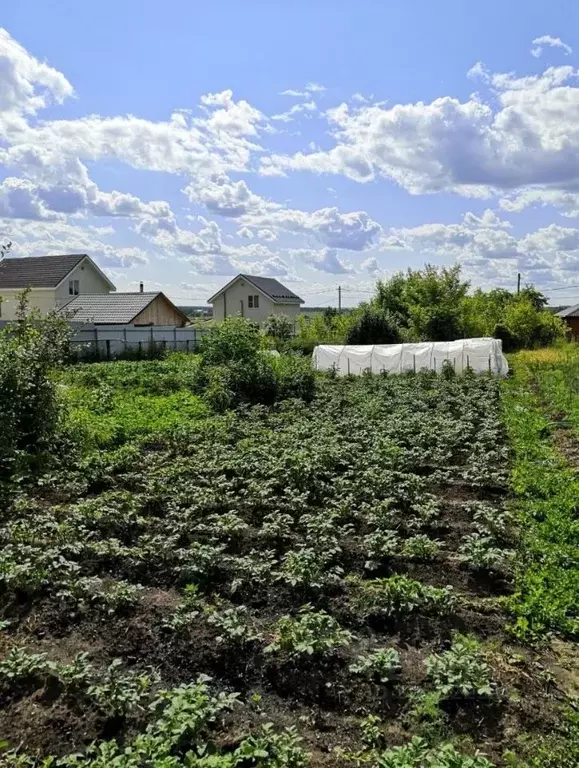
point(373, 326)
point(234, 369)
point(235, 339)
point(29, 408)
point(511, 342)
point(280, 328)
point(226, 386)
point(302, 346)
point(295, 378)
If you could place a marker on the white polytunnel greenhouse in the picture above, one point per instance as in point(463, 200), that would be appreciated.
point(483, 355)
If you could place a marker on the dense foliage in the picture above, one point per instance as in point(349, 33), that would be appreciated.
point(548, 572)
point(235, 368)
point(434, 304)
point(29, 408)
point(280, 585)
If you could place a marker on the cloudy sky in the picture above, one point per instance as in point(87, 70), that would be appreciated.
point(325, 143)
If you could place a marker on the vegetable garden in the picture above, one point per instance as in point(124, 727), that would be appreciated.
point(384, 576)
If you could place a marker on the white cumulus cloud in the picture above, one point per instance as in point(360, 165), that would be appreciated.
point(552, 42)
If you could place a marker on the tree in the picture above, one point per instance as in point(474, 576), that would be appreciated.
point(373, 326)
point(427, 304)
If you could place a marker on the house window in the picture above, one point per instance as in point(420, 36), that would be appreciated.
point(250, 302)
point(73, 287)
point(253, 301)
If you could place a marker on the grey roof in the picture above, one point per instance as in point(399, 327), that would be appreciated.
point(268, 285)
point(105, 308)
point(569, 312)
point(37, 271)
point(273, 288)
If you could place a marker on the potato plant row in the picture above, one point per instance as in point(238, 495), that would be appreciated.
point(306, 584)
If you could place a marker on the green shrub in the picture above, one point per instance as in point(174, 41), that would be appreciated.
point(511, 342)
point(295, 378)
point(30, 411)
point(235, 339)
point(302, 346)
point(280, 328)
point(418, 754)
point(373, 326)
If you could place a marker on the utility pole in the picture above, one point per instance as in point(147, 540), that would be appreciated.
point(518, 282)
point(339, 299)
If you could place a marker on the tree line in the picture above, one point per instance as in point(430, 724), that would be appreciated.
point(436, 304)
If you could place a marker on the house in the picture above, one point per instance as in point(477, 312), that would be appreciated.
point(53, 281)
point(138, 309)
point(256, 298)
point(570, 316)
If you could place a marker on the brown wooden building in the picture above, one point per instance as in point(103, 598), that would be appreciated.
point(138, 309)
point(570, 316)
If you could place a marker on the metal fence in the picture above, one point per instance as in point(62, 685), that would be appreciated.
point(109, 341)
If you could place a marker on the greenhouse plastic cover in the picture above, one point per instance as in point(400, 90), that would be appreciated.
point(483, 355)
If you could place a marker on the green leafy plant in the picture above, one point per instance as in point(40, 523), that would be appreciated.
point(118, 691)
point(462, 670)
point(232, 624)
point(420, 547)
point(479, 551)
point(78, 675)
point(275, 750)
point(418, 754)
point(312, 632)
point(398, 595)
point(22, 665)
point(372, 735)
point(382, 665)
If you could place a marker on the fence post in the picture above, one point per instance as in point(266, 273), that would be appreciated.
point(140, 343)
point(96, 343)
point(187, 345)
point(125, 337)
point(348, 366)
point(414, 362)
point(489, 365)
point(175, 338)
point(108, 345)
point(467, 362)
point(434, 365)
point(454, 363)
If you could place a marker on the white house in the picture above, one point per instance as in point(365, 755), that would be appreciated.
point(53, 281)
point(255, 298)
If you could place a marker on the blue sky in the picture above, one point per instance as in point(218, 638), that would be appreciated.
point(324, 143)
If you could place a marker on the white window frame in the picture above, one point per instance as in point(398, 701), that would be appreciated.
point(73, 287)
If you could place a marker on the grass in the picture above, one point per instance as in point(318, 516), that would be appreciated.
point(547, 489)
point(110, 404)
point(182, 555)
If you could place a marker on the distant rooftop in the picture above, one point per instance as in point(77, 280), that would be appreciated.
point(37, 271)
point(268, 285)
point(105, 308)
